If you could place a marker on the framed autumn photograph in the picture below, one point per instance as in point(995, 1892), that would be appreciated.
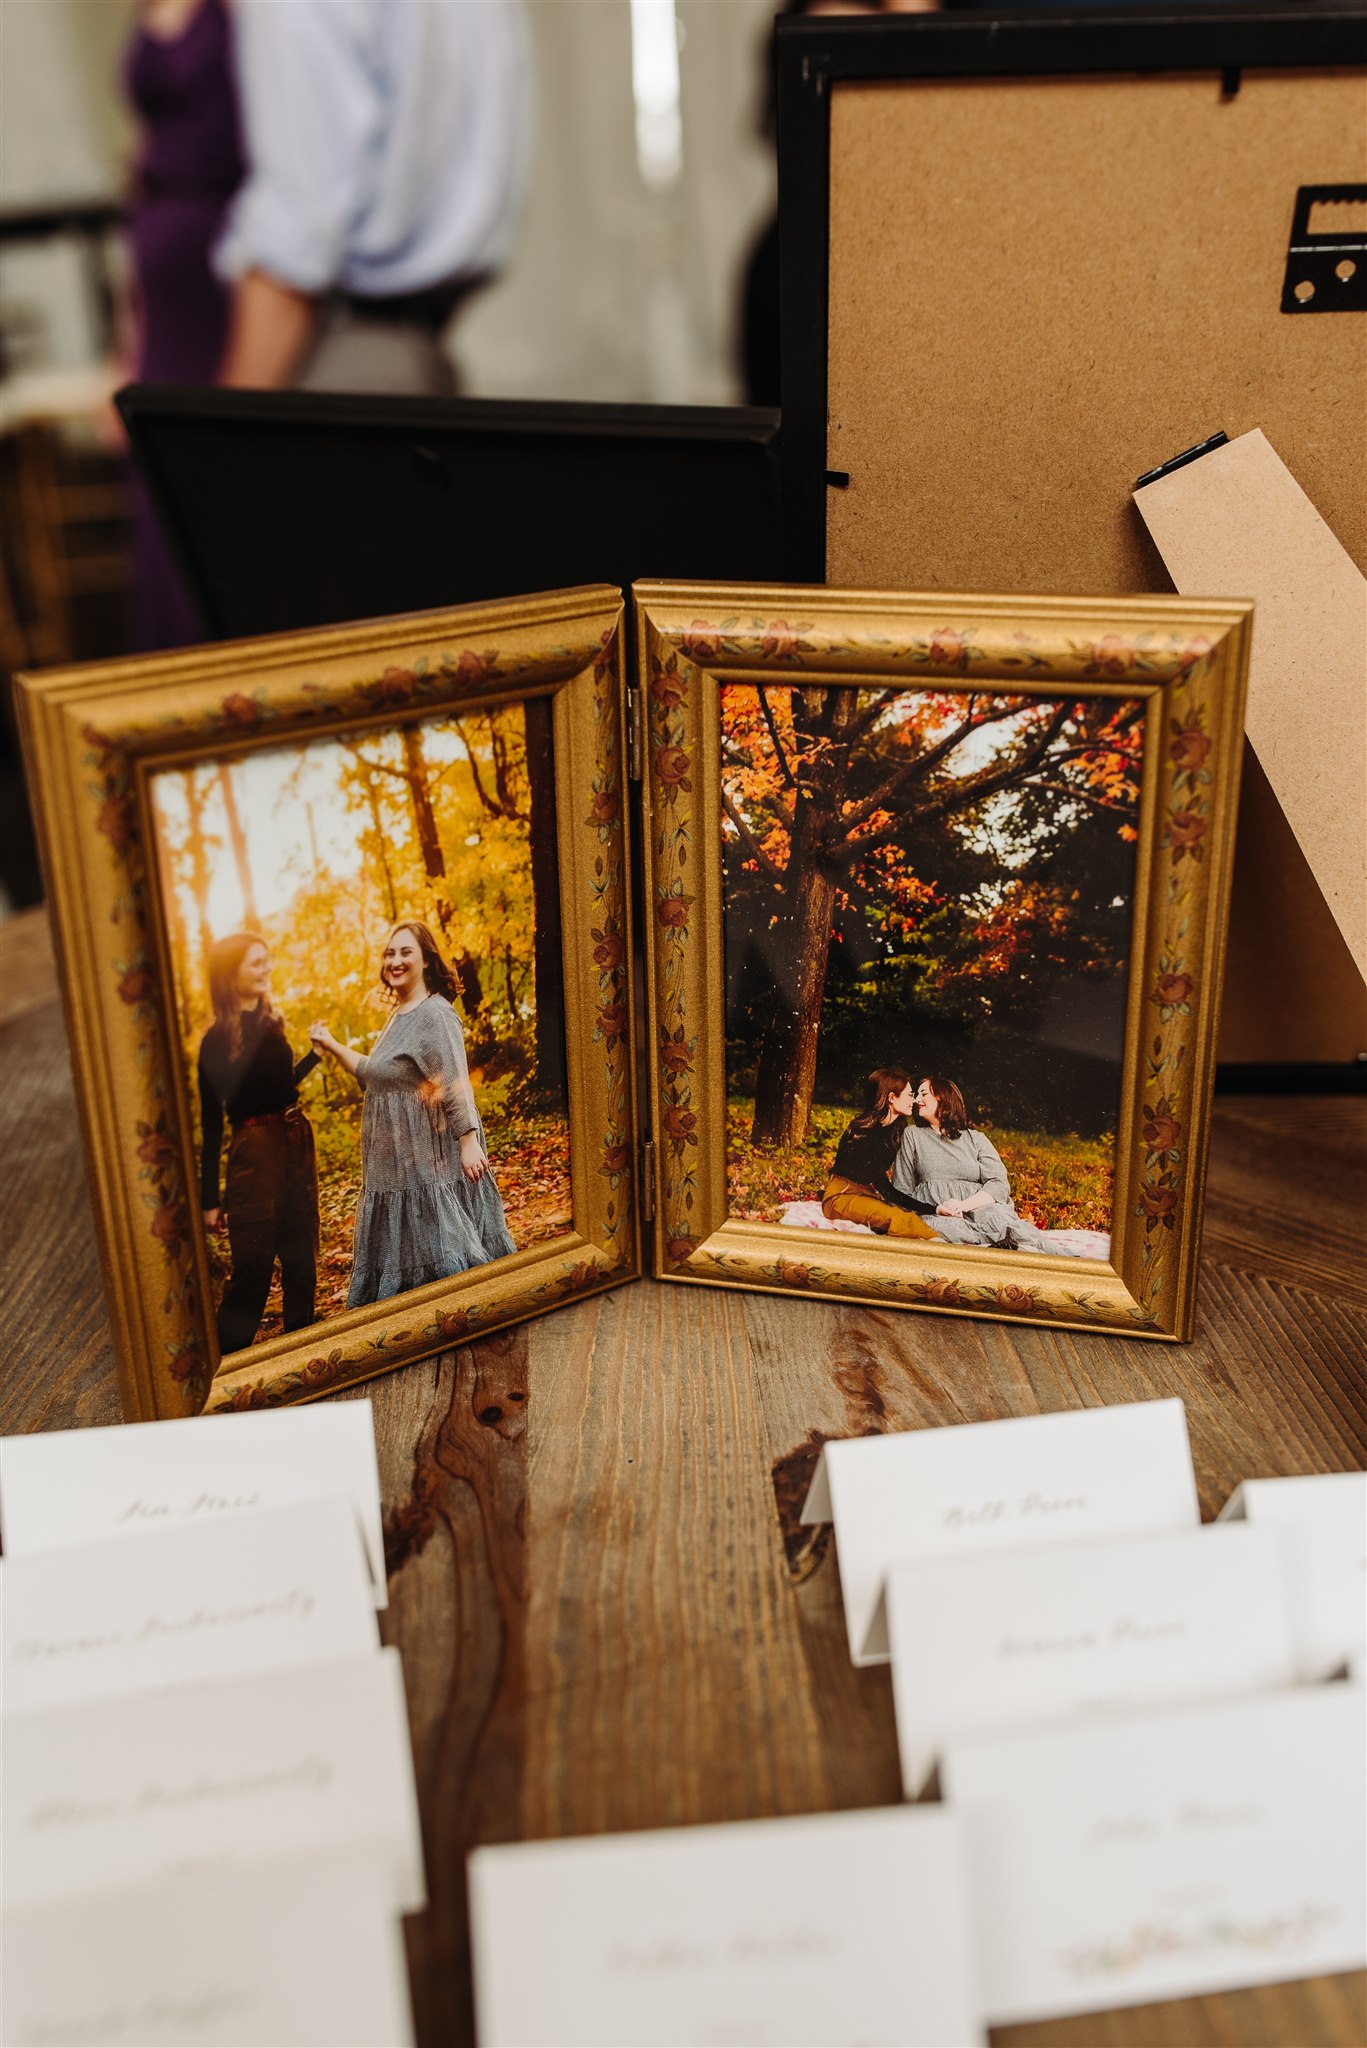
point(345, 928)
point(936, 893)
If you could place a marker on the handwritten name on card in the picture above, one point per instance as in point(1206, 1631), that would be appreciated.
point(61, 1487)
point(226, 1598)
point(1009, 1638)
point(1191, 1850)
point(205, 1777)
point(695, 1934)
point(205, 1965)
point(1083, 1474)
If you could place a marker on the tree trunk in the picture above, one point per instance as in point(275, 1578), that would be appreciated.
point(547, 964)
point(434, 865)
point(471, 987)
point(381, 845)
point(180, 950)
point(786, 1072)
point(237, 839)
point(199, 865)
point(425, 818)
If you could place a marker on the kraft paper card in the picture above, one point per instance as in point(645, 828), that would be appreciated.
point(87, 1485)
point(218, 1599)
point(1008, 1639)
point(1075, 1476)
point(199, 1780)
point(1324, 1520)
point(1196, 1850)
point(223, 1963)
point(705, 1935)
point(1236, 523)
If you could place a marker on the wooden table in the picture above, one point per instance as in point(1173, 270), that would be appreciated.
point(608, 1615)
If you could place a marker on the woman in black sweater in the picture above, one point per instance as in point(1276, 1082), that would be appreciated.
point(270, 1194)
point(860, 1189)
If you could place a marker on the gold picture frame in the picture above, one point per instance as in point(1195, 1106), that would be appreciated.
point(95, 737)
point(1187, 660)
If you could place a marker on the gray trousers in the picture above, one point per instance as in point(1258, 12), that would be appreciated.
point(402, 358)
point(998, 1223)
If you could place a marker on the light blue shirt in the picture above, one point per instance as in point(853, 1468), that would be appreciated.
point(388, 141)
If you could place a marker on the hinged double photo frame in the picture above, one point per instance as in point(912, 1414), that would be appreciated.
point(710, 883)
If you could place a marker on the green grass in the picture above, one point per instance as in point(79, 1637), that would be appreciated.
point(1057, 1182)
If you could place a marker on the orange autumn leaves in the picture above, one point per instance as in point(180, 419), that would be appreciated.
point(925, 752)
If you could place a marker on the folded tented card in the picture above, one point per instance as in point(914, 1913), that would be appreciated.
point(1016, 1637)
point(1086, 1473)
point(1324, 1518)
point(1197, 1849)
point(202, 1778)
point(222, 1598)
point(707, 1935)
point(310, 1953)
point(86, 1485)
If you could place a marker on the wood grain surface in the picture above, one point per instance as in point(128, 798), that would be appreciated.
point(608, 1614)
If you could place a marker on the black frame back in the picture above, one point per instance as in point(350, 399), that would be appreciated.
point(294, 509)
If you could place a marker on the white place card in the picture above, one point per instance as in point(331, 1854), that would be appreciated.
point(223, 1598)
point(1324, 1517)
point(807, 1933)
point(199, 1779)
point(1010, 1638)
point(1195, 1850)
point(1034, 1479)
point(307, 1953)
point(87, 1485)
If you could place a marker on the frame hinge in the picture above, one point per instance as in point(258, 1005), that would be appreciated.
point(636, 738)
point(647, 1180)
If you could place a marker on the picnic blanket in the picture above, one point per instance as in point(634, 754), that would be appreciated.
point(1068, 1244)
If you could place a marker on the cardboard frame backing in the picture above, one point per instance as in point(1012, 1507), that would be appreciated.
point(946, 489)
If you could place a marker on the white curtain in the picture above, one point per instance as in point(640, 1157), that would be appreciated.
point(618, 291)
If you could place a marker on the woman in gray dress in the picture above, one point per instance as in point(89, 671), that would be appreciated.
point(429, 1207)
point(943, 1159)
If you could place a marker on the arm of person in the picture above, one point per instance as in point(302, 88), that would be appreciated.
point(901, 1200)
point(345, 1055)
point(906, 1172)
point(270, 327)
point(995, 1187)
point(439, 1051)
point(304, 1067)
point(211, 1123)
point(312, 111)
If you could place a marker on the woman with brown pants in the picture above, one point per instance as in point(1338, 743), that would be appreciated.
point(860, 1189)
point(269, 1200)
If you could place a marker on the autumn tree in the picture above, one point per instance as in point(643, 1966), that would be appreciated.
point(519, 788)
point(844, 805)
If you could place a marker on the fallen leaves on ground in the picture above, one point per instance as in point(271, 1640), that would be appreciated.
point(1057, 1182)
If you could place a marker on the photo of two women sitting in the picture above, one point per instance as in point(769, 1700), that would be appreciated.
point(946, 868)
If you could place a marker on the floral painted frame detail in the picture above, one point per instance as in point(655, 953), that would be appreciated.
point(1187, 660)
point(95, 736)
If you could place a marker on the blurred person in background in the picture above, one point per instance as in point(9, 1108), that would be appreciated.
point(388, 144)
point(178, 74)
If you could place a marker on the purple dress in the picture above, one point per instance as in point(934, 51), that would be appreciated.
point(190, 165)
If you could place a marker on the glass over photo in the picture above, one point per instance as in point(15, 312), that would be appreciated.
point(929, 897)
point(364, 937)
